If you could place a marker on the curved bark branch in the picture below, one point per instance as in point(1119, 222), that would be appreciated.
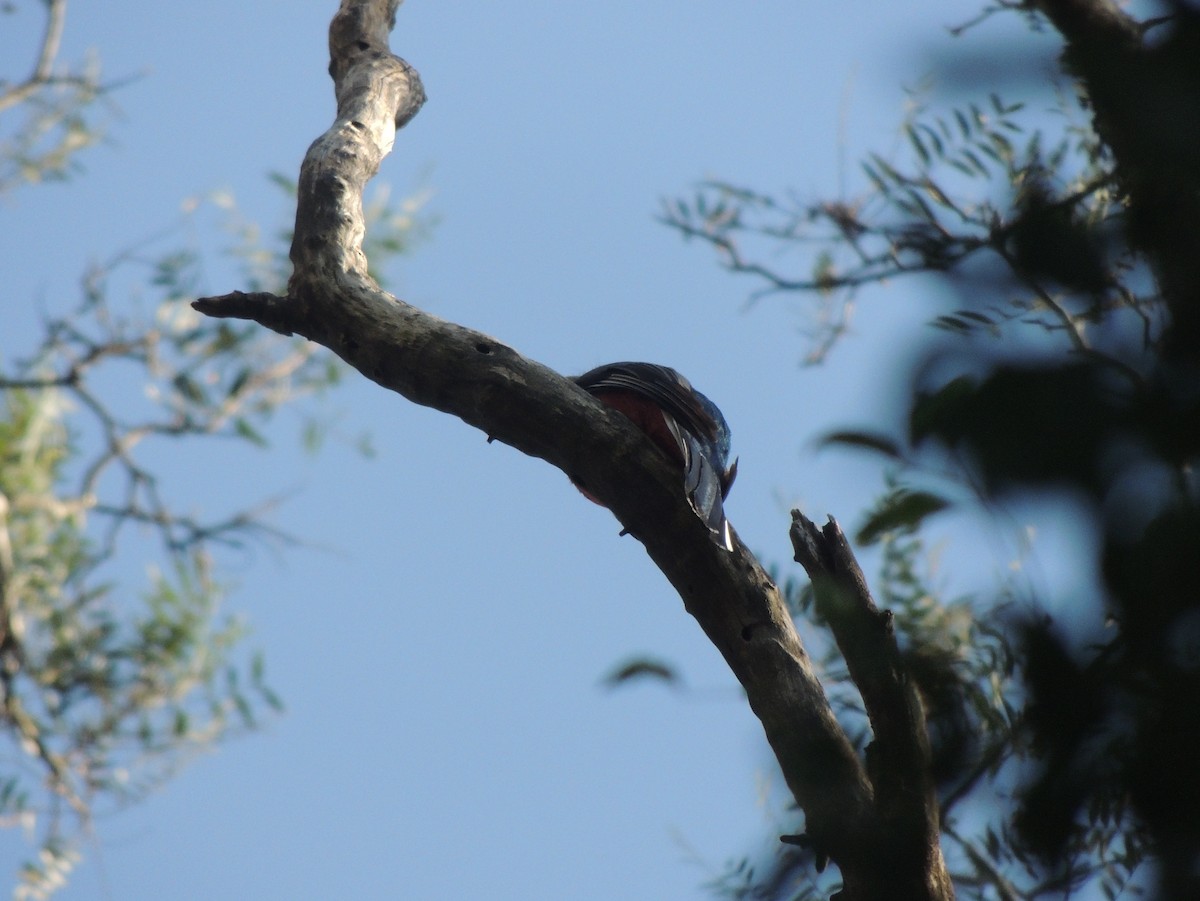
point(333, 301)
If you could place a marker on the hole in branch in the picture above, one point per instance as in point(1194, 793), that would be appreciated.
point(483, 347)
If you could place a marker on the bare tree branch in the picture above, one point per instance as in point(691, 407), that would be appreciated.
point(56, 15)
point(333, 301)
point(898, 760)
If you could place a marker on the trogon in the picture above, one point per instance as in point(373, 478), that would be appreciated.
point(682, 422)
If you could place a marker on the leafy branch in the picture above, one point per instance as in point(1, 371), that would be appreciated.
point(1046, 224)
point(107, 694)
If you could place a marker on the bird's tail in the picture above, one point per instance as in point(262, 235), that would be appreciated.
point(702, 484)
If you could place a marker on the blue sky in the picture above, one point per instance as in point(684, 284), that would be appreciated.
point(440, 639)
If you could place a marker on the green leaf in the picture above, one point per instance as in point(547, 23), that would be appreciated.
point(245, 711)
point(239, 382)
point(880, 444)
point(976, 162)
point(939, 148)
point(1003, 145)
point(312, 435)
point(954, 324)
point(978, 317)
point(243, 429)
point(930, 409)
point(641, 668)
point(900, 510)
point(285, 183)
point(887, 169)
point(188, 388)
point(920, 207)
point(918, 144)
point(875, 178)
point(365, 446)
point(964, 124)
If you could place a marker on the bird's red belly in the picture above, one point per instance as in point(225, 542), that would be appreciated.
point(645, 415)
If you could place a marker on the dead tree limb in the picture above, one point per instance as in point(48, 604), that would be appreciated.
point(898, 759)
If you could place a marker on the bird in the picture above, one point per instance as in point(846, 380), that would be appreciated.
point(682, 423)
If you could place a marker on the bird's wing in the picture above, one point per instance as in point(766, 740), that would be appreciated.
point(669, 390)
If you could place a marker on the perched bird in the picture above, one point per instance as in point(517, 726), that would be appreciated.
point(685, 424)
